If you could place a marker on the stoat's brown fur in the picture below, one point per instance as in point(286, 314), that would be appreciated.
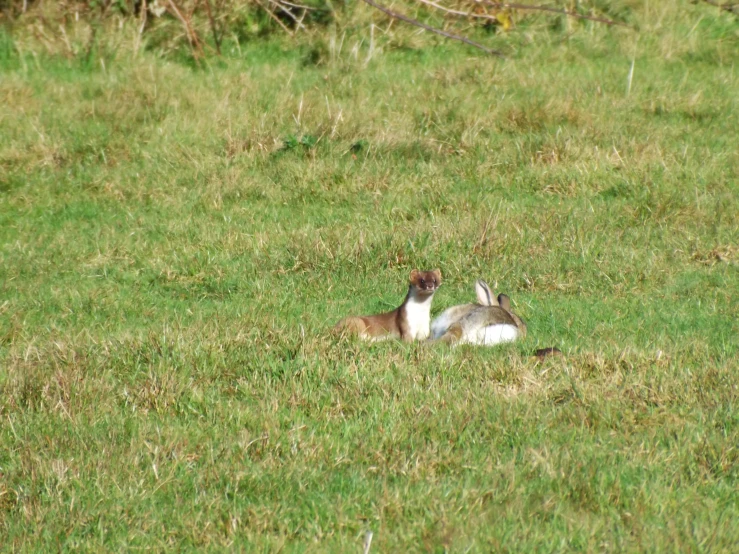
point(409, 321)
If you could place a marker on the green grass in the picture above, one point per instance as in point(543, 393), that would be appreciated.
point(177, 242)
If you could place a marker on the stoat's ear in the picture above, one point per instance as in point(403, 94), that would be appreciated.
point(437, 273)
point(414, 276)
point(504, 302)
point(484, 296)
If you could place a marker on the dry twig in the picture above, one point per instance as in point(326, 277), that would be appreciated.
point(192, 36)
point(143, 10)
point(213, 29)
point(288, 12)
point(274, 17)
point(723, 6)
point(401, 17)
point(524, 7)
point(456, 12)
point(528, 7)
point(299, 6)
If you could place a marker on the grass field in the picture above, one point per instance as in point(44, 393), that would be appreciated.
point(176, 242)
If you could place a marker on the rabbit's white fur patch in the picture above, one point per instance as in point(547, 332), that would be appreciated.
point(493, 334)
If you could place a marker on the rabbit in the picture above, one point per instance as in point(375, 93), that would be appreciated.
point(441, 323)
point(487, 323)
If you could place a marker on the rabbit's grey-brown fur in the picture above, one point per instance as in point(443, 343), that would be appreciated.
point(488, 322)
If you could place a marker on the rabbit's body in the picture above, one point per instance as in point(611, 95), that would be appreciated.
point(449, 317)
point(487, 323)
point(490, 335)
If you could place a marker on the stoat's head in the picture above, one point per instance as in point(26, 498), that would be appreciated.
point(425, 282)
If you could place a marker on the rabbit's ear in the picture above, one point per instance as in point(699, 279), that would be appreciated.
point(484, 296)
point(504, 302)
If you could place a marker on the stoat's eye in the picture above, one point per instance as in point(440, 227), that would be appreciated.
point(434, 281)
point(422, 282)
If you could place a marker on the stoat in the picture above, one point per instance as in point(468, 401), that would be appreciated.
point(410, 321)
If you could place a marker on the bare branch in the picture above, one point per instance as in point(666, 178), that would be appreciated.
point(277, 19)
point(212, 21)
point(142, 15)
point(192, 37)
point(457, 12)
point(288, 12)
point(547, 9)
point(524, 7)
point(723, 5)
point(299, 6)
point(401, 17)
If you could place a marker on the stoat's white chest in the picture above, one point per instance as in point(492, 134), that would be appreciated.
point(418, 316)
